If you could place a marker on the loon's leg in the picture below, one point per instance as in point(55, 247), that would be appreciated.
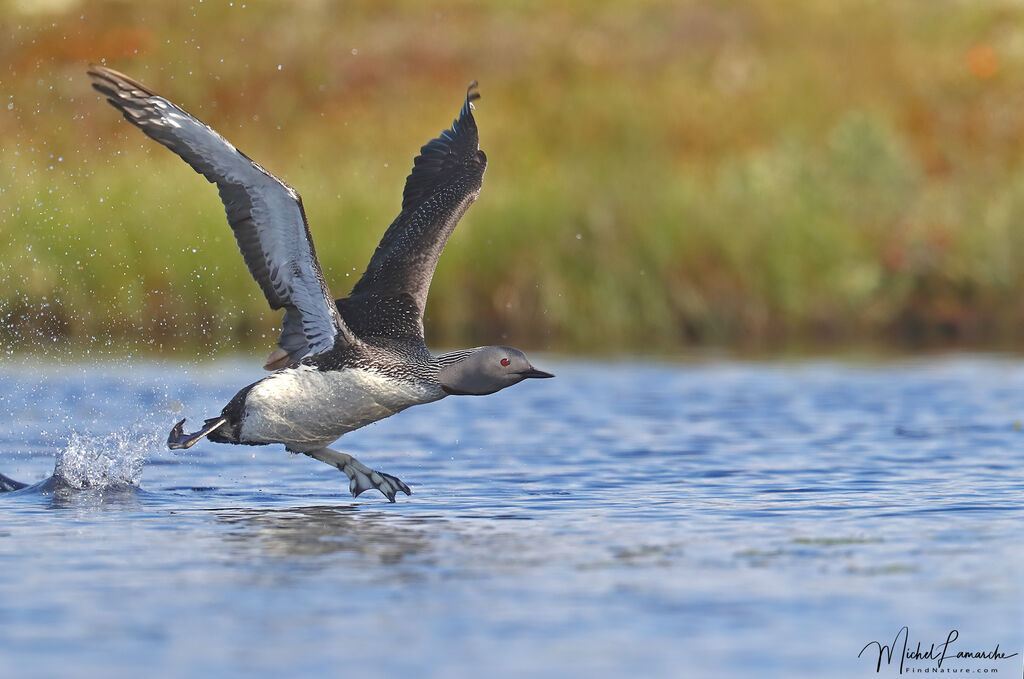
point(179, 440)
point(360, 476)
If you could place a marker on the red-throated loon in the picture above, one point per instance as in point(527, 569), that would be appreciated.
point(340, 364)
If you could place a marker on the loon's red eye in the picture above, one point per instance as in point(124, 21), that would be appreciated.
point(505, 362)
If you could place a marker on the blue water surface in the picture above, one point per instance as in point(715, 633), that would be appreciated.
point(728, 519)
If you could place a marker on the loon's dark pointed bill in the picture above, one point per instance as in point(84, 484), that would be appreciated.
point(533, 372)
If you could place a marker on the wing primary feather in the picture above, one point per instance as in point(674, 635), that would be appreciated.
point(265, 214)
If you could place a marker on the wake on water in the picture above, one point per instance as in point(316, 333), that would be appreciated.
point(108, 461)
point(8, 484)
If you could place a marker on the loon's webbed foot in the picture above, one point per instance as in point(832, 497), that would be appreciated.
point(361, 478)
point(179, 440)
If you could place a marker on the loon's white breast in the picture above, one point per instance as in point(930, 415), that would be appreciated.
point(306, 408)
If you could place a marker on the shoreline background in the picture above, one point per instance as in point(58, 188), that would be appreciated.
point(664, 177)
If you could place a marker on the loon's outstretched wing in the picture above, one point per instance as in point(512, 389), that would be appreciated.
point(265, 214)
point(445, 180)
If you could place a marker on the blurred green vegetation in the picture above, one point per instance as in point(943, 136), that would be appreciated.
point(751, 174)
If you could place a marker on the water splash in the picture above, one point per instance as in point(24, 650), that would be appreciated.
point(105, 461)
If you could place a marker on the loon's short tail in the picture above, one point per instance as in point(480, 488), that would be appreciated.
point(179, 440)
point(222, 429)
point(7, 485)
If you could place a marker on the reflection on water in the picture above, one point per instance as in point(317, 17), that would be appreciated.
point(297, 532)
point(727, 520)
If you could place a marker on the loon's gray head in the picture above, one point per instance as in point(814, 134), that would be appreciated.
point(485, 370)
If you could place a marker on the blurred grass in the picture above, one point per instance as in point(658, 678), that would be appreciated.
point(749, 174)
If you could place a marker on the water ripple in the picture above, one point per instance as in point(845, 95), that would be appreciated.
point(725, 519)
